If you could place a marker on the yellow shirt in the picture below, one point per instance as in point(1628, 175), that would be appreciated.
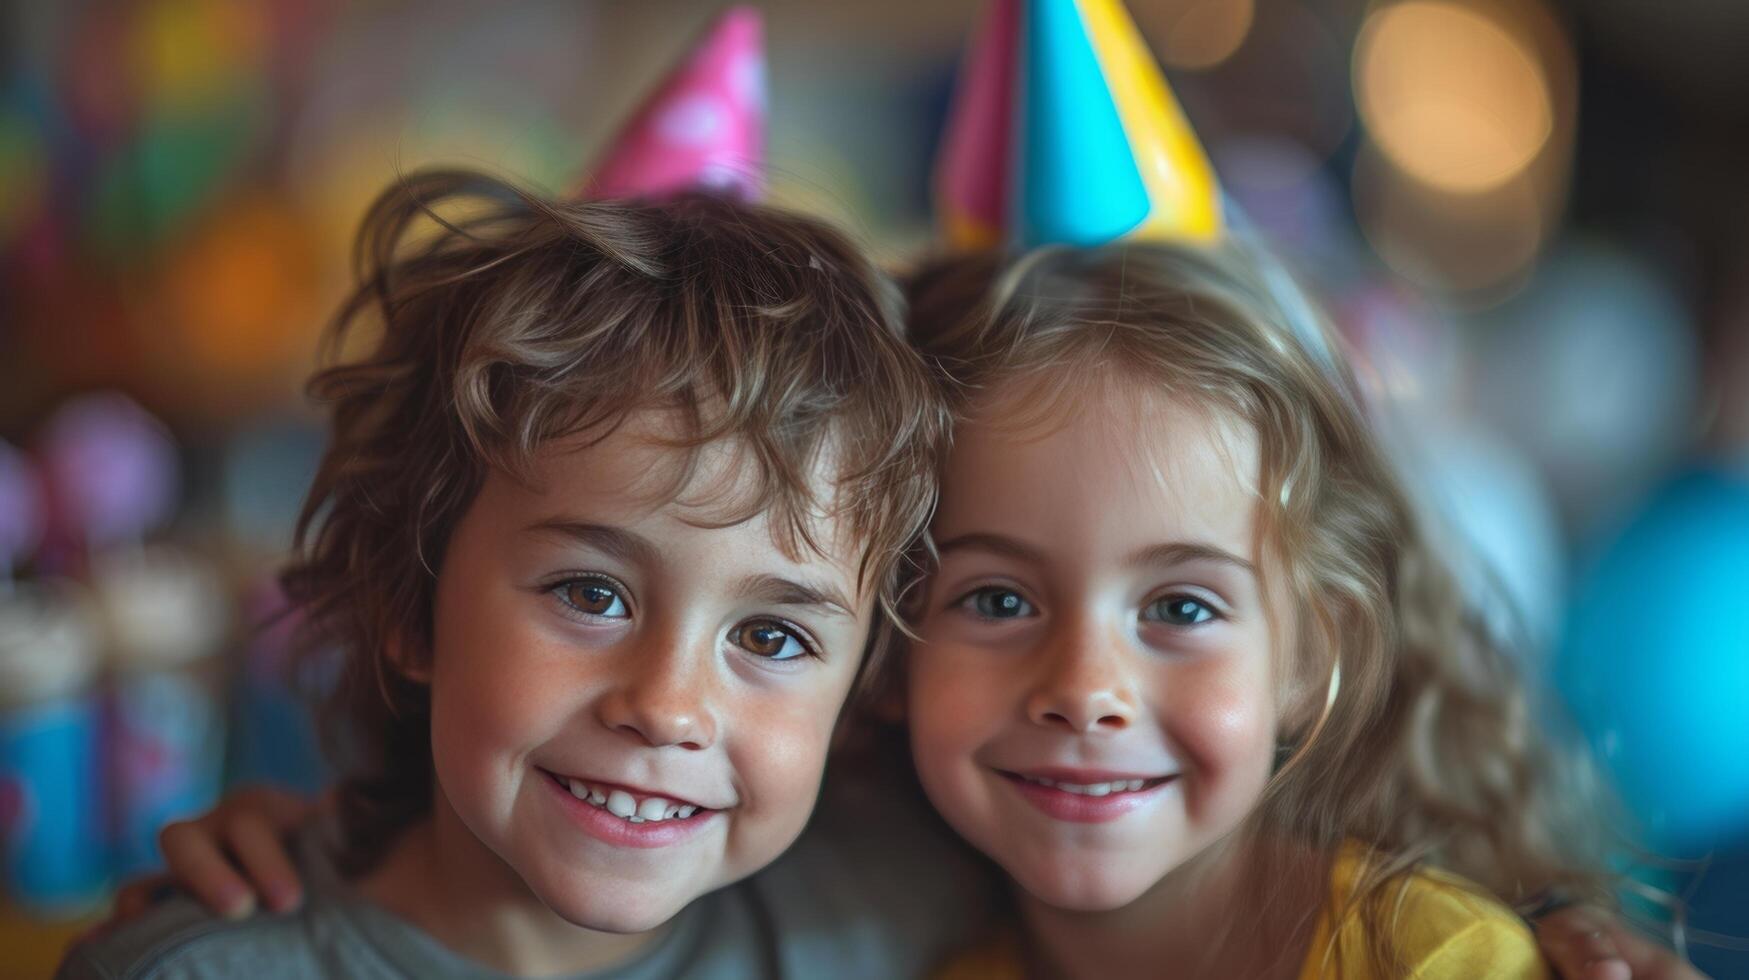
point(1446, 929)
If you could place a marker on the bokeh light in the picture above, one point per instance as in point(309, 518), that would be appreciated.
point(1453, 97)
point(1196, 34)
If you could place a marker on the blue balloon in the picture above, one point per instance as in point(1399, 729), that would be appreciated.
point(1655, 662)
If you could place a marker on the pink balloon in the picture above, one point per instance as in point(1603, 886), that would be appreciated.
point(111, 468)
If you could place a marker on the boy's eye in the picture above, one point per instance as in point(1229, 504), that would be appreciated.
point(593, 597)
point(1178, 610)
point(769, 639)
point(997, 603)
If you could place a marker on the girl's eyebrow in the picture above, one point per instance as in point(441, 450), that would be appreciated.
point(1179, 552)
point(999, 544)
point(1166, 553)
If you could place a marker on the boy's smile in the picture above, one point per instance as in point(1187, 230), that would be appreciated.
point(631, 702)
point(1091, 703)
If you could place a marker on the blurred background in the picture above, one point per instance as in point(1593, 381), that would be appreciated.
point(1528, 218)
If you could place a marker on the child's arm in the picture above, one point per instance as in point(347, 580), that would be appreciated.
point(228, 858)
point(236, 853)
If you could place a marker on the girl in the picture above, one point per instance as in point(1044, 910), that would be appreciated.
point(1186, 667)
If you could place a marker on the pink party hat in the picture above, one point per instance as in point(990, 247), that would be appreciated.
point(702, 128)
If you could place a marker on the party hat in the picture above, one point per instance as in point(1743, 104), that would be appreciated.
point(702, 128)
point(1064, 131)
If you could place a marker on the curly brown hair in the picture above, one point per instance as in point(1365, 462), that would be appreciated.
point(1409, 728)
point(504, 320)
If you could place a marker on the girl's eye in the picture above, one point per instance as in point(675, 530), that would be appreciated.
point(770, 639)
point(998, 603)
point(593, 597)
point(1179, 610)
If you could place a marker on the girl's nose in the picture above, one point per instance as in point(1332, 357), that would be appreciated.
point(1085, 687)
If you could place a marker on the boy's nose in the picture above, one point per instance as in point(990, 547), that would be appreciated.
point(662, 701)
point(1084, 687)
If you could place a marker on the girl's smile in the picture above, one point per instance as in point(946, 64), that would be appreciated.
point(1086, 796)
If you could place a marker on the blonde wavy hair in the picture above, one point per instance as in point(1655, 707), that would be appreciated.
point(1409, 728)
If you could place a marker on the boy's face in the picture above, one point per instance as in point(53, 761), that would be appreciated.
point(1091, 702)
point(596, 637)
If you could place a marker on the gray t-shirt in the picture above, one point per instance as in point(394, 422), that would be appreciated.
point(873, 889)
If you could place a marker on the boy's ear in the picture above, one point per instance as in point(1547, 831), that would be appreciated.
point(409, 660)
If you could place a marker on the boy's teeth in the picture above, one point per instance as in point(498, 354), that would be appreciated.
point(1089, 789)
point(627, 807)
point(621, 804)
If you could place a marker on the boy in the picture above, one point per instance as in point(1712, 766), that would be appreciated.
point(608, 516)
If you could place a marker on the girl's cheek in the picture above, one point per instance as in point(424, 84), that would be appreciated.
point(948, 693)
point(1226, 725)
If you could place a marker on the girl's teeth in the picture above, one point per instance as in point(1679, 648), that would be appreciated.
point(627, 807)
point(1090, 789)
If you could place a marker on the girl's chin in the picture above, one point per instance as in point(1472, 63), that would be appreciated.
point(1085, 892)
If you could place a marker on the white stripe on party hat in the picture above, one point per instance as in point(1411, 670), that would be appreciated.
point(703, 128)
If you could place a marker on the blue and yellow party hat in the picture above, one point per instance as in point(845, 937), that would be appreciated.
point(1063, 131)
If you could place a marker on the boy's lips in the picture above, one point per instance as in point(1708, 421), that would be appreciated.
point(618, 816)
point(640, 793)
point(1086, 795)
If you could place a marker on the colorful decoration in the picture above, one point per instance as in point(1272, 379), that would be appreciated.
point(704, 127)
point(53, 857)
point(1064, 131)
point(111, 468)
point(168, 616)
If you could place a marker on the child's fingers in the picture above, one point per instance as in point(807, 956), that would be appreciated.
point(130, 900)
point(192, 851)
point(284, 811)
point(257, 846)
point(1580, 944)
point(1651, 961)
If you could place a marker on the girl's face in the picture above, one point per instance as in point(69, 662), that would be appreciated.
point(1091, 702)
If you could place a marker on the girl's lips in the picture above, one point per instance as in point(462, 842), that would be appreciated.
point(1116, 796)
point(604, 826)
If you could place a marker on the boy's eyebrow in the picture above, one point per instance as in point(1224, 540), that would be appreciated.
point(615, 541)
point(1176, 552)
point(787, 592)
